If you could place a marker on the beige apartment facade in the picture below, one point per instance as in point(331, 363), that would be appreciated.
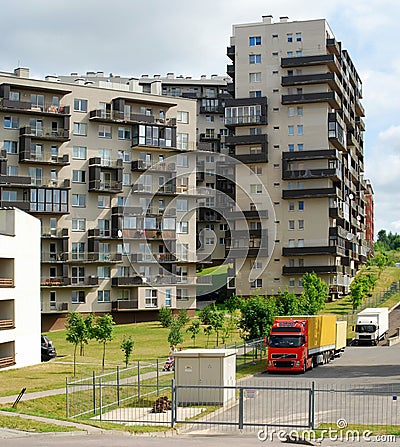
point(297, 123)
point(109, 172)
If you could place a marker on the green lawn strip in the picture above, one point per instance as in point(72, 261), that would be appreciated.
point(373, 429)
point(128, 428)
point(30, 425)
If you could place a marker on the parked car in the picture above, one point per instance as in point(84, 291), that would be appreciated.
point(48, 350)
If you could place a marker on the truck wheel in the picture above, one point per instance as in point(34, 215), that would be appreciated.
point(304, 367)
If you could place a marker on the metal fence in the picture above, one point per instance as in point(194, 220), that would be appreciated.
point(254, 404)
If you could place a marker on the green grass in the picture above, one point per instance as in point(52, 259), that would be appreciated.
point(32, 426)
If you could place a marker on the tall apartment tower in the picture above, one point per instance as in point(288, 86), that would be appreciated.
point(298, 125)
point(107, 169)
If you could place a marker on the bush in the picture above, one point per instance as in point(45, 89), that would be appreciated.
point(165, 316)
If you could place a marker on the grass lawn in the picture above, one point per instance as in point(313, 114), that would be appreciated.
point(29, 425)
point(150, 343)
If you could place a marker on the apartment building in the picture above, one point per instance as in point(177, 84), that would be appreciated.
point(297, 123)
point(19, 289)
point(109, 171)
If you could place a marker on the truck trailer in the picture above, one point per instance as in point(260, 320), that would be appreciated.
point(372, 325)
point(298, 343)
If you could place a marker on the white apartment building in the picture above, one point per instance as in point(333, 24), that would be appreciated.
point(109, 171)
point(19, 289)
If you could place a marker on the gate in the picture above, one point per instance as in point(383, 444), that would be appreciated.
point(244, 406)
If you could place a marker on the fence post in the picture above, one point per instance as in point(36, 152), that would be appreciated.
point(94, 392)
point(244, 352)
point(173, 401)
point(312, 405)
point(241, 408)
point(101, 398)
point(158, 379)
point(118, 396)
point(66, 398)
point(138, 373)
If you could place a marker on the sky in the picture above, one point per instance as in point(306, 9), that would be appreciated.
point(189, 38)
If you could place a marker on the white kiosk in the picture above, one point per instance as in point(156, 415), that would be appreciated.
point(213, 369)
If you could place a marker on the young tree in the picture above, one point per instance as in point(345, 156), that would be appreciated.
point(88, 320)
point(205, 314)
point(183, 318)
point(217, 322)
point(165, 316)
point(103, 332)
point(315, 293)
point(356, 293)
point(287, 303)
point(175, 336)
point(207, 332)
point(258, 314)
point(75, 332)
point(194, 329)
point(127, 348)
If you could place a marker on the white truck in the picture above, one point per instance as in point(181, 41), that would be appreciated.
point(372, 325)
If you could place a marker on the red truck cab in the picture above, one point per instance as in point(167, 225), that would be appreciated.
point(288, 346)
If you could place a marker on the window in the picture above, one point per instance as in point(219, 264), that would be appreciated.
point(290, 130)
point(300, 147)
point(182, 117)
point(11, 122)
point(10, 147)
point(290, 54)
point(103, 296)
point(79, 200)
point(103, 272)
point(256, 284)
point(182, 294)
point(80, 105)
point(299, 53)
point(182, 227)
point(290, 111)
point(255, 77)
point(80, 129)
point(209, 118)
point(182, 141)
point(291, 282)
point(79, 224)
point(291, 206)
point(291, 147)
point(78, 176)
point(12, 170)
point(104, 131)
point(300, 205)
point(300, 282)
point(300, 129)
point(78, 251)
point(125, 156)
point(255, 94)
point(10, 196)
point(126, 179)
point(275, 54)
point(300, 225)
point(78, 296)
point(151, 298)
point(254, 41)
point(168, 297)
point(299, 111)
point(300, 243)
point(290, 37)
point(78, 275)
point(79, 152)
point(255, 59)
point(124, 133)
point(256, 189)
point(182, 161)
point(181, 205)
point(291, 243)
point(104, 227)
point(291, 224)
point(298, 37)
point(103, 202)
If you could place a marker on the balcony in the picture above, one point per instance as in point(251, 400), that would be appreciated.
point(249, 140)
point(310, 193)
point(230, 70)
point(113, 187)
point(119, 117)
point(318, 269)
point(26, 107)
point(333, 173)
point(90, 281)
point(360, 122)
point(45, 133)
point(54, 257)
point(6, 282)
point(95, 257)
point(163, 167)
point(127, 281)
point(54, 233)
point(313, 79)
point(315, 250)
point(329, 154)
point(333, 46)
point(332, 98)
point(124, 305)
point(330, 60)
point(6, 324)
point(230, 52)
point(234, 112)
point(219, 109)
point(44, 158)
